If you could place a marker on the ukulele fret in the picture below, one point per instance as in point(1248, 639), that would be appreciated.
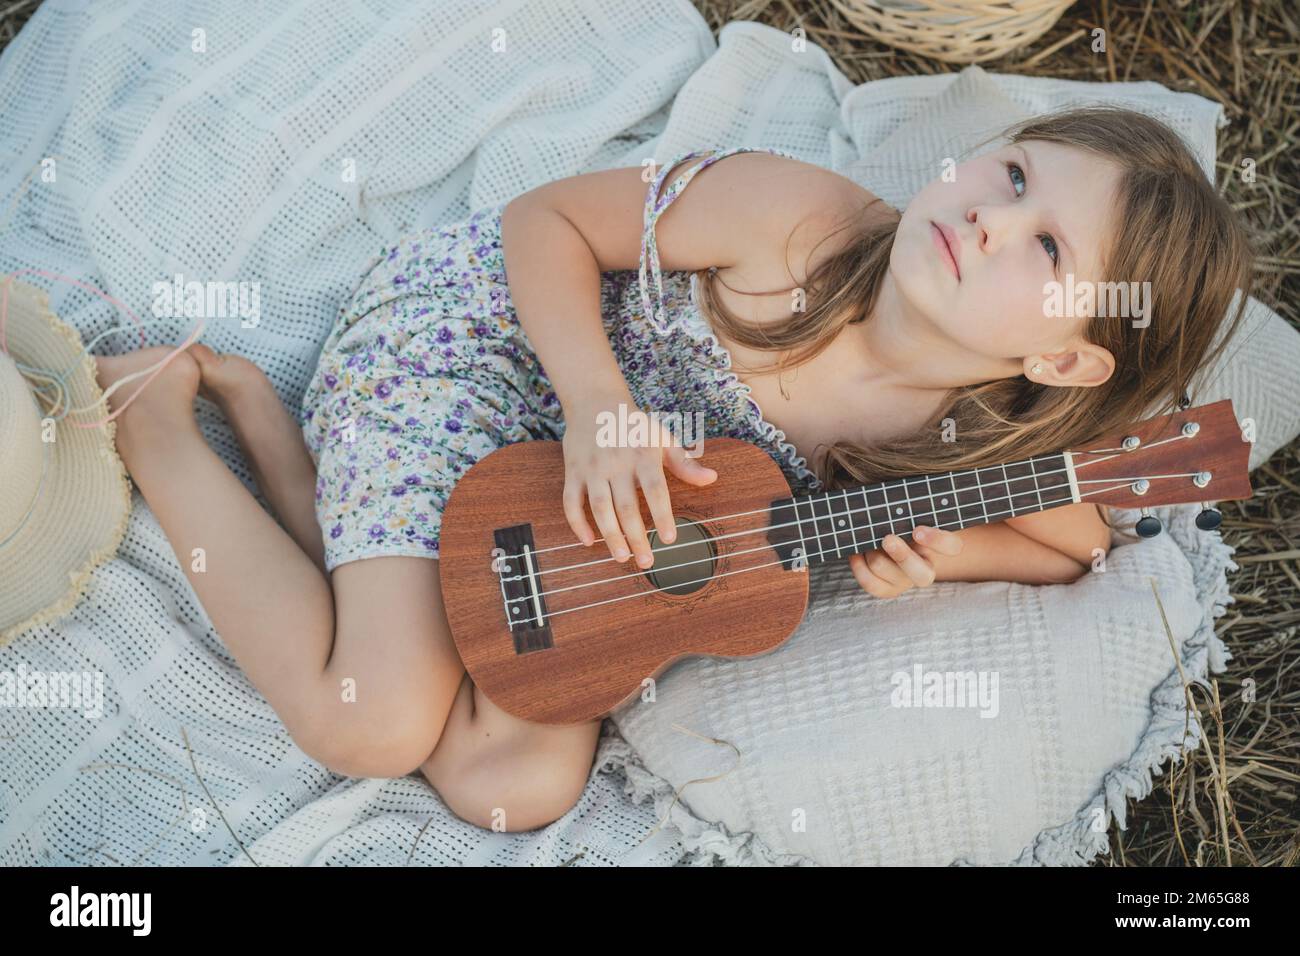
point(899, 510)
point(1050, 482)
point(825, 526)
point(943, 495)
point(1024, 495)
point(1034, 475)
point(969, 501)
point(920, 503)
point(813, 534)
point(848, 516)
point(979, 486)
point(875, 507)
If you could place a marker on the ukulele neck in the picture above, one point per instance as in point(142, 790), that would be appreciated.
point(834, 524)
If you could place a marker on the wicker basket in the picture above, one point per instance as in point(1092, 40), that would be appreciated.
point(955, 31)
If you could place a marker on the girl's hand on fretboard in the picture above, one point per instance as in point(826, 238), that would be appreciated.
point(897, 566)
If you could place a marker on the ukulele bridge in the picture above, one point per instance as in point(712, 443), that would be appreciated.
point(522, 592)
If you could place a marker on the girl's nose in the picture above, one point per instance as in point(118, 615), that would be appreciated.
point(978, 216)
point(994, 225)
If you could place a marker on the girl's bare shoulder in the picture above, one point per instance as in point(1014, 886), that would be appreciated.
point(814, 213)
point(744, 212)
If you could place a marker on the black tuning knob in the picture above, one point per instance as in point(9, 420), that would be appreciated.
point(1209, 519)
point(1148, 526)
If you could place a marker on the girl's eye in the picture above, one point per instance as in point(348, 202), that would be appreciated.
point(1050, 245)
point(1017, 176)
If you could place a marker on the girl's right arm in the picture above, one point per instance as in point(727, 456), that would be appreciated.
point(559, 237)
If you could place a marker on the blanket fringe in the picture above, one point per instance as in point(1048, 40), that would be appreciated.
point(707, 844)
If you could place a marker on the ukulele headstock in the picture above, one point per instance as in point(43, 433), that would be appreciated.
point(1193, 455)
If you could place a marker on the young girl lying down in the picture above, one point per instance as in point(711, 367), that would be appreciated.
point(856, 330)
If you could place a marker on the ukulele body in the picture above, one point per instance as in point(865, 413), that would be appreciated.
point(558, 633)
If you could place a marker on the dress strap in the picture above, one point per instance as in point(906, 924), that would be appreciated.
point(655, 205)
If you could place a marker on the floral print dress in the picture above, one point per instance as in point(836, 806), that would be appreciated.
point(427, 370)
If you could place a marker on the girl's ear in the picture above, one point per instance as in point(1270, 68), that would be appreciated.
point(1085, 365)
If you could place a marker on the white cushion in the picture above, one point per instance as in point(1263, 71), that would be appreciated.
point(1088, 705)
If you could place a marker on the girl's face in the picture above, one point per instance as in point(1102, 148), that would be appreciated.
point(972, 256)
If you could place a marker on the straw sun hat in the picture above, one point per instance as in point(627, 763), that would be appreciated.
point(64, 496)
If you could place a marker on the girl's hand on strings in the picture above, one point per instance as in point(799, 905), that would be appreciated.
point(606, 475)
point(898, 566)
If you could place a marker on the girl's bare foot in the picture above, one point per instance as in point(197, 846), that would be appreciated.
point(232, 383)
point(168, 398)
point(246, 397)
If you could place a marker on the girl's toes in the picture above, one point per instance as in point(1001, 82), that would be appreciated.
point(227, 376)
point(108, 369)
point(169, 390)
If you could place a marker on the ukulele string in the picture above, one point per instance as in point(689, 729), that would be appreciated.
point(821, 553)
point(832, 515)
point(884, 487)
point(624, 597)
point(907, 499)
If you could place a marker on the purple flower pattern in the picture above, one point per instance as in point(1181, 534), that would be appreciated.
point(427, 370)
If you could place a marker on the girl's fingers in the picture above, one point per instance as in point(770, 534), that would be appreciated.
point(655, 489)
point(871, 582)
point(627, 505)
point(884, 566)
point(938, 540)
point(573, 511)
point(687, 469)
point(601, 499)
point(918, 570)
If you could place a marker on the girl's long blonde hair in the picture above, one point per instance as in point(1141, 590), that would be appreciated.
point(1174, 231)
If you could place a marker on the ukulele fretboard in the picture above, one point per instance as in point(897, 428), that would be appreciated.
point(835, 524)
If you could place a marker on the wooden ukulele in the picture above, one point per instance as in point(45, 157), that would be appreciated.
point(558, 633)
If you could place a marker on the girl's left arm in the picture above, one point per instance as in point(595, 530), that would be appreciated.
point(1056, 546)
point(1077, 530)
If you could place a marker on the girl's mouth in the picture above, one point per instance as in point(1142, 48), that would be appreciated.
point(946, 242)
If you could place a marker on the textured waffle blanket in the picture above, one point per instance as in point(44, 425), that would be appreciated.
point(284, 143)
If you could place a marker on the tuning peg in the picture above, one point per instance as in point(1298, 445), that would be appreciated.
point(1148, 525)
point(1209, 518)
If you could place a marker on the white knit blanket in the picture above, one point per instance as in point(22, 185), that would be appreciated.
point(217, 140)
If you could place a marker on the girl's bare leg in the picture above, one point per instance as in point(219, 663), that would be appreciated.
point(500, 772)
point(491, 768)
point(353, 674)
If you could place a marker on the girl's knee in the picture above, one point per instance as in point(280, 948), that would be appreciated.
point(515, 791)
point(387, 743)
point(510, 802)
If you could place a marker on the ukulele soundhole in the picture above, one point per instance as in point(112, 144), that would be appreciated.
point(685, 565)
